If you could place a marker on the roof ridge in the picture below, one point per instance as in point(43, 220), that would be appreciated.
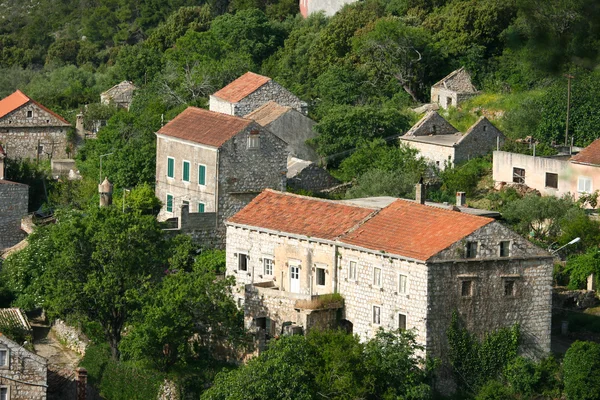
point(339, 202)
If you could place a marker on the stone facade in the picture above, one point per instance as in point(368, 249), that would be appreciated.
point(71, 337)
point(24, 377)
point(270, 91)
point(329, 7)
point(311, 178)
point(121, 95)
point(453, 89)
point(31, 131)
point(14, 198)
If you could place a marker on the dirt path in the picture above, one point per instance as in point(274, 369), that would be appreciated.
point(47, 345)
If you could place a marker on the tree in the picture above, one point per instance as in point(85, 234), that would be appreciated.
point(581, 371)
point(581, 266)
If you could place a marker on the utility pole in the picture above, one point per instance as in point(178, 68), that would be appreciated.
point(569, 77)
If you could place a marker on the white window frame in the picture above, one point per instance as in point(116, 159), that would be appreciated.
point(205, 174)
point(376, 319)
point(204, 204)
point(324, 269)
point(377, 282)
point(352, 271)
point(7, 391)
point(402, 288)
point(253, 140)
point(183, 171)
point(272, 266)
point(7, 359)
point(29, 112)
point(585, 180)
point(170, 177)
point(405, 321)
point(172, 203)
point(468, 245)
point(509, 248)
point(239, 259)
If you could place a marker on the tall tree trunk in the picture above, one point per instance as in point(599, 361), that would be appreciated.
point(411, 92)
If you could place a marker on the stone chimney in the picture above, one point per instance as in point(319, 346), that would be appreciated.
point(420, 192)
point(106, 190)
point(81, 378)
point(79, 129)
point(461, 199)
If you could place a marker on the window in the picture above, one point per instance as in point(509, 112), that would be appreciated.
point(352, 270)
point(402, 322)
point(448, 101)
point(471, 250)
point(29, 114)
point(202, 174)
point(200, 207)
point(254, 139)
point(169, 203)
point(377, 277)
point(4, 393)
point(505, 248)
point(320, 276)
point(242, 262)
point(584, 185)
point(402, 279)
point(4, 358)
point(551, 180)
point(466, 288)
point(186, 171)
point(518, 175)
point(376, 315)
point(170, 167)
point(485, 128)
point(509, 288)
point(268, 266)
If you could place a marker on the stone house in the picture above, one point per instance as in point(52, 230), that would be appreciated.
point(441, 143)
point(404, 266)
point(290, 125)
point(329, 7)
point(306, 175)
point(249, 92)
point(121, 95)
point(453, 89)
point(215, 164)
point(30, 130)
point(14, 198)
point(559, 175)
point(23, 374)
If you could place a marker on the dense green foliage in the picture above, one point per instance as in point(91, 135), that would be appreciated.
point(581, 369)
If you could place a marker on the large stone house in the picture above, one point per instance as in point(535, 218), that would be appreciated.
point(30, 130)
point(329, 7)
point(453, 89)
point(215, 164)
point(406, 265)
point(23, 374)
point(14, 199)
point(121, 95)
point(441, 143)
point(558, 175)
point(249, 92)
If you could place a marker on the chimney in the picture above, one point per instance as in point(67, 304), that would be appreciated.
point(461, 199)
point(105, 189)
point(420, 192)
point(81, 378)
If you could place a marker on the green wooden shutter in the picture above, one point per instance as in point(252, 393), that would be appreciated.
point(202, 175)
point(186, 171)
point(200, 207)
point(170, 167)
point(169, 203)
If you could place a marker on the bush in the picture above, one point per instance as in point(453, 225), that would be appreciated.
point(522, 376)
point(494, 390)
point(121, 381)
point(581, 369)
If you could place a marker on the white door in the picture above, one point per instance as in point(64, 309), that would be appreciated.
point(295, 279)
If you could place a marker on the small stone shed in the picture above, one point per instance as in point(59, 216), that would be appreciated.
point(453, 89)
point(121, 95)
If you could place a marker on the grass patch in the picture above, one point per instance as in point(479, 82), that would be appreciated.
point(321, 302)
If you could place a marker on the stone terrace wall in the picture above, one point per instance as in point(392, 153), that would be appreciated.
point(270, 91)
point(72, 337)
point(13, 207)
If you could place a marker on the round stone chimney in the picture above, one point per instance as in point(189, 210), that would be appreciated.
point(106, 190)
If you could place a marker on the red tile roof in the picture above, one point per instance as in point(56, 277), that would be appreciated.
point(414, 230)
point(19, 99)
point(589, 155)
point(242, 87)
point(204, 127)
point(300, 215)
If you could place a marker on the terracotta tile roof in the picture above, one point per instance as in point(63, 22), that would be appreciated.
point(19, 99)
point(268, 113)
point(204, 127)
point(242, 87)
point(589, 155)
point(300, 215)
point(414, 230)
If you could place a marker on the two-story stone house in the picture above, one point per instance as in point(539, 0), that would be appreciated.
point(23, 374)
point(407, 265)
point(249, 92)
point(215, 164)
point(30, 130)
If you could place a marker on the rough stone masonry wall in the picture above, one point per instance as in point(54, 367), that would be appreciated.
point(72, 337)
point(270, 91)
point(295, 129)
point(481, 139)
point(13, 207)
point(312, 178)
point(25, 367)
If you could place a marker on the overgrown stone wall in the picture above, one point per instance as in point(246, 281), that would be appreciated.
point(70, 336)
point(13, 206)
point(26, 374)
point(270, 91)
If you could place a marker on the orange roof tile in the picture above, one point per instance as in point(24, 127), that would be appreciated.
point(300, 215)
point(242, 87)
point(19, 99)
point(589, 155)
point(268, 113)
point(414, 230)
point(204, 127)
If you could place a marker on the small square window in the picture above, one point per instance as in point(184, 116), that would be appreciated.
point(320, 276)
point(268, 266)
point(376, 315)
point(402, 322)
point(169, 203)
point(509, 288)
point(377, 277)
point(471, 250)
point(242, 262)
point(505, 248)
point(29, 114)
point(466, 288)
point(551, 180)
point(352, 270)
point(518, 175)
point(402, 280)
point(254, 139)
point(201, 207)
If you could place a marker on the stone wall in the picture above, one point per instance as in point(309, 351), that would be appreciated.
point(70, 336)
point(437, 154)
point(270, 91)
point(295, 129)
point(481, 139)
point(222, 106)
point(13, 207)
point(313, 179)
point(26, 374)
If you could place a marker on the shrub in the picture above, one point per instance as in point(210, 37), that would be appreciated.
point(581, 369)
point(522, 376)
point(494, 390)
point(126, 382)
